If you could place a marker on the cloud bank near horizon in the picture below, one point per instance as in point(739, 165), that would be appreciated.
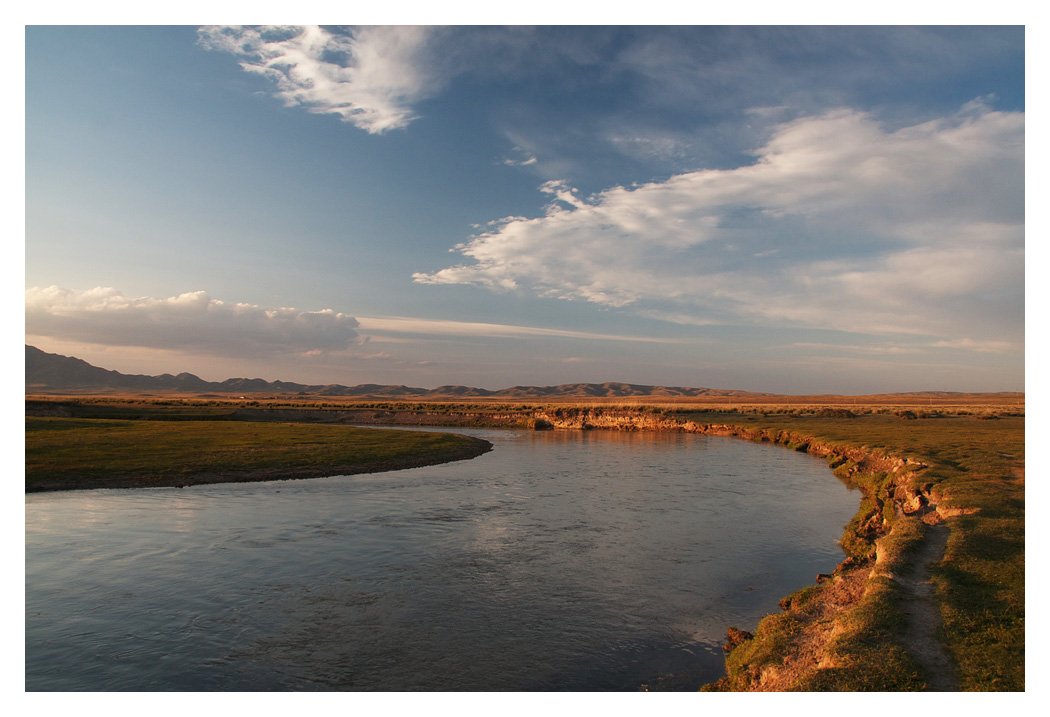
point(193, 322)
point(839, 223)
point(196, 322)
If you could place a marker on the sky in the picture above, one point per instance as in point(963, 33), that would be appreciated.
point(787, 209)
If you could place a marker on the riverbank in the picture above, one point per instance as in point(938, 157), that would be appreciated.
point(894, 615)
point(73, 453)
point(928, 478)
point(952, 481)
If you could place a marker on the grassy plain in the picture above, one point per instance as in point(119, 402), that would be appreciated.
point(971, 451)
point(69, 453)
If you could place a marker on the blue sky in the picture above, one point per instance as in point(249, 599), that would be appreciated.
point(778, 209)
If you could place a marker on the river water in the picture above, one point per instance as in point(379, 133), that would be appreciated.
point(559, 561)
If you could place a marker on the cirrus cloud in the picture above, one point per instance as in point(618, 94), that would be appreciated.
point(192, 321)
point(839, 223)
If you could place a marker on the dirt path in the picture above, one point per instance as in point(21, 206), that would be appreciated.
point(924, 619)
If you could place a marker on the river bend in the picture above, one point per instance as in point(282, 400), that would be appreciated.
point(559, 561)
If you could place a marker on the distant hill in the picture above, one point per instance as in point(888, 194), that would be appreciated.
point(47, 372)
point(52, 371)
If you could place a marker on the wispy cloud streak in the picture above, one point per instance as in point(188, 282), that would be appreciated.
point(436, 327)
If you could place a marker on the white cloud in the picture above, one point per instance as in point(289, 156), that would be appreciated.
point(189, 322)
point(527, 162)
point(370, 76)
point(525, 158)
point(838, 223)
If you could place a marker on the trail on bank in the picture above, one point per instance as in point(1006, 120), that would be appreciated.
point(921, 638)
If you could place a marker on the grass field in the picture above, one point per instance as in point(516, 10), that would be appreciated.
point(67, 453)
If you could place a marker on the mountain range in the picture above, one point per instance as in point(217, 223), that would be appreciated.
point(47, 372)
point(53, 373)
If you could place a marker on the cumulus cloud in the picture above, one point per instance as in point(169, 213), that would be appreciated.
point(838, 223)
point(369, 76)
point(189, 322)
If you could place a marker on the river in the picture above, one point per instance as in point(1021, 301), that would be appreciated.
point(563, 560)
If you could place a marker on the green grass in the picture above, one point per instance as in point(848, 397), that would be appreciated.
point(65, 453)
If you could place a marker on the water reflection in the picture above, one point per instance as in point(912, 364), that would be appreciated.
point(561, 560)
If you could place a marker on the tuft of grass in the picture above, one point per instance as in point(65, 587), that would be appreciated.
point(770, 646)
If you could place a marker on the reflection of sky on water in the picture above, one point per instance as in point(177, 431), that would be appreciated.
point(559, 560)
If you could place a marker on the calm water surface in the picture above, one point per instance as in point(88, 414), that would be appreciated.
point(559, 561)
